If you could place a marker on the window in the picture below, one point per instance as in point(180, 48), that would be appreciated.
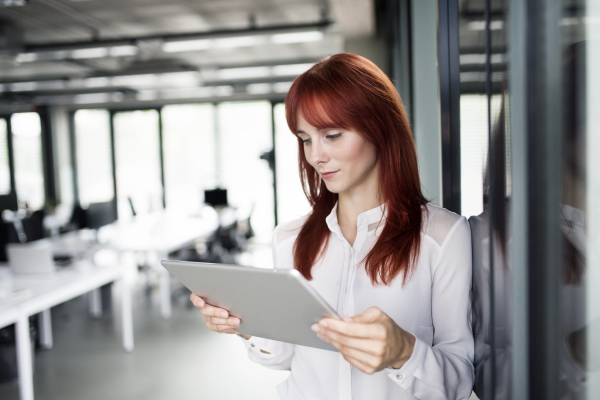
point(291, 201)
point(189, 154)
point(4, 164)
point(245, 134)
point(137, 161)
point(93, 156)
point(27, 145)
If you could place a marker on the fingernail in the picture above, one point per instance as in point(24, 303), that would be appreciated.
point(236, 322)
point(223, 314)
point(321, 336)
point(323, 323)
point(315, 328)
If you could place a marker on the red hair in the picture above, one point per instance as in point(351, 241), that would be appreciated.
point(347, 91)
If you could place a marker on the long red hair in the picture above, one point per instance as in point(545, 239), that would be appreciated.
point(347, 91)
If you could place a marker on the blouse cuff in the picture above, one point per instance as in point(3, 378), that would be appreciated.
point(256, 344)
point(404, 375)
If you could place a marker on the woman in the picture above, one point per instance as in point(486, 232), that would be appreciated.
point(396, 268)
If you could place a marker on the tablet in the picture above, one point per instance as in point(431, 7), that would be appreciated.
point(276, 304)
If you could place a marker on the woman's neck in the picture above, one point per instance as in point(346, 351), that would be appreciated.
point(351, 205)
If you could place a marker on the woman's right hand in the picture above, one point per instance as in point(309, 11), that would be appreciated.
point(217, 319)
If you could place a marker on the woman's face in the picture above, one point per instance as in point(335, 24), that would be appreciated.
point(344, 160)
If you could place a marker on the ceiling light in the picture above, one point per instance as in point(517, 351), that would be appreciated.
point(297, 37)
point(92, 98)
point(224, 90)
point(134, 80)
point(26, 57)
point(282, 87)
point(179, 79)
point(258, 88)
point(98, 52)
point(243, 73)
point(147, 95)
point(291, 69)
point(187, 45)
point(11, 3)
point(187, 93)
point(23, 86)
point(97, 82)
point(121, 51)
point(239, 41)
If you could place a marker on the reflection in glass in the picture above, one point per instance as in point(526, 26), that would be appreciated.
point(244, 134)
point(291, 201)
point(189, 154)
point(27, 145)
point(93, 156)
point(4, 165)
point(137, 162)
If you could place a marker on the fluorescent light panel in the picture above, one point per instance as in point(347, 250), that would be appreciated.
point(297, 37)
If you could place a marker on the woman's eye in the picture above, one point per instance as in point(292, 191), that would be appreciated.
point(334, 136)
point(306, 141)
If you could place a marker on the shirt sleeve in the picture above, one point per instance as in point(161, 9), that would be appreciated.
point(444, 369)
point(270, 353)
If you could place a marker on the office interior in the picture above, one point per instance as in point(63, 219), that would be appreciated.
point(135, 131)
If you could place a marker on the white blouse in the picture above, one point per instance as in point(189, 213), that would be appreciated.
point(434, 306)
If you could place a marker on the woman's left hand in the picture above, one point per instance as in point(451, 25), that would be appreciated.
point(370, 341)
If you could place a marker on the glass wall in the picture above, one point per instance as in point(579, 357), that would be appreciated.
point(245, 133)
point(27, 147)
point(93, 156)
point(291, 201)
point(138, 167)
point(189, 154)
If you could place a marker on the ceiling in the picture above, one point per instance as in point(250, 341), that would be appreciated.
point(97, 51)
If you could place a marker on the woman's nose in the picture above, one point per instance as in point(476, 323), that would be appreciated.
point(318, 153)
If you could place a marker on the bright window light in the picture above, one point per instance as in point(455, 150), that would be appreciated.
point(258, 88)
point(240, 41)
point(187, 45)
point(243, 73)
point(98, 52)
point(297, 37)
point(290, 70)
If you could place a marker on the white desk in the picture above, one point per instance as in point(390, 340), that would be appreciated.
point(41, 292)
point(160, 233)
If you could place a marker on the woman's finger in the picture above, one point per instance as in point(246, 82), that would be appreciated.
point(197, 300)
point(369, 346)
point(211, 311)
point(232, 321)
point(355, 329)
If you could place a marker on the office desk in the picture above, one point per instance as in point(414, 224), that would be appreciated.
point(160, 233)
point(38, 293)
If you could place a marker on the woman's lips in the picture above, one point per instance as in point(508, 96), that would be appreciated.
point(328, 175)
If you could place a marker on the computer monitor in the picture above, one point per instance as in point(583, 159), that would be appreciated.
point(216, 197)
point(100, 214)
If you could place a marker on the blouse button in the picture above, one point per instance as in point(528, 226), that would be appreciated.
point(399, 376)
point(252, 344)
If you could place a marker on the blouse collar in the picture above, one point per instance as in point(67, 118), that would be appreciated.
point(368, 220)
